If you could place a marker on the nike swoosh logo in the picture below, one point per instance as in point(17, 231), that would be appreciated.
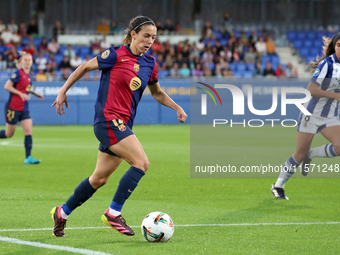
point(123, 60)
point(129, 190)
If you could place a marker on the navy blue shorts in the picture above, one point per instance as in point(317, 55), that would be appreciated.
point(13, 117)
point(111, 132)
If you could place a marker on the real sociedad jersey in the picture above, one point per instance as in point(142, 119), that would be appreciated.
point(124, 78)
point(327, 76)
point(22, 82)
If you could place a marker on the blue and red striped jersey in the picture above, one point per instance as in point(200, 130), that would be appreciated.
point(22, 82)
point(123, 80)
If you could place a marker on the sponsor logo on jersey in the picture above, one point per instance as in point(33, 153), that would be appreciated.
point(135, 83)
point(136, 67)
point(105, 54)
point(316, 73)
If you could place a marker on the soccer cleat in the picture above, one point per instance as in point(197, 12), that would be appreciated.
point(31, 161)
point(59, 222)
point(118, 223)
point(304, 168)
point(279, 193)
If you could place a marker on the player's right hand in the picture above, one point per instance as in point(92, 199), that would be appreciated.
point(24, 96)
point(59, 103)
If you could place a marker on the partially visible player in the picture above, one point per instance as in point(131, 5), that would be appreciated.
point(16, 108)
point(126, 71)
point(324, 107)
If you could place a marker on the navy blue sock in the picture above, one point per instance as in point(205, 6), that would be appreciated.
point(2, 134)
point(28, 145)
point(81, 194)
point(127, 184)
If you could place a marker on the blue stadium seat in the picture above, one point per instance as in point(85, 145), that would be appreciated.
point(62, 49)
point(301, 35)
point(84, 50)
point(309, 59)
point(304, 52)
point(312, 35)
point(25, 40)
point(162, 74)
point(265, 59)
point(218, 34)
point(211, 66)
point(274, 59)
point(248, 74)
point(241, 67)
point(58, 58)
point(307, 43)
point(251, 67)
point(237, 34)
point(314, 51)
point(297, 44)
point(224, 42)
point(232, 66)
point(237, 74)
point(291, 35)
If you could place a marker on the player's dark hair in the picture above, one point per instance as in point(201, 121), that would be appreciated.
point(328, 49)
point(136, 25)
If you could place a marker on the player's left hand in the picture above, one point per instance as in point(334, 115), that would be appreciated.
point(40, 97)
point(182, 116)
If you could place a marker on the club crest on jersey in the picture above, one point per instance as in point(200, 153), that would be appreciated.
point(316, 73)
point(105, 54)
point(136, 67)
point(14, 76)
point(122, 127)
point(135, 83)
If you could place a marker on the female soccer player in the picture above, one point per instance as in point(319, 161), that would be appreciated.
point(324, 107)
point(16, 108)
point(126, 71)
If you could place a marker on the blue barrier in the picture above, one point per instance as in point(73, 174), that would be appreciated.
point(82, 97)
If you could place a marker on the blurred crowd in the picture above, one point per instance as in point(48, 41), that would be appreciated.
point(220, 52)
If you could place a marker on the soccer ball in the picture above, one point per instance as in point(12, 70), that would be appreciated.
point(157, 227)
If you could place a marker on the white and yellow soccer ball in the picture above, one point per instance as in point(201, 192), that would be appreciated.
point(157, 227)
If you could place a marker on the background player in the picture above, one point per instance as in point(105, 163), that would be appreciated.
point(126, 71)
point(324, 107)
point(16, 108)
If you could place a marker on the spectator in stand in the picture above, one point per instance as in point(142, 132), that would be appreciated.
point(57, 30)
point(270, 46)
point(218, 71)
point(268, 71)
point(23, 30)
point(260, 46)
point(156, 47)
point(41, 76)
point(219, 47)
point(207, 31)
point(104, 44)
point(114, 29)
point(41, 62)
point(291, 71)
point(2, 26)
point(226, 54)
point(95, 46)
point(232, 41)
point(43, 46)
point(3, 64)
point(29, 48)
point(16, 39)
point(174, 71)
point(184, 71)
point(70, 53)
point(75, 62)
point(207, 71)
point(12, 52)
point(160, 62)
point(159, 28)
point(280, 72)
point(168, 27)
point(87, 58)
point(197, 72)
point(53, 46)
point(227, 22)
point(226, 71)
point(243, 35)
point(191, 62)
point(52, 76)
point(168, 62)
point(200, 45)
point(208, 56)
point(11, 65)
point(65, 74)
point(65, 64)
point(249, 56)
point(12, 26)
point(180, 59)
point(32, 28)
point(236, 56)
point(186, 52)
point(253, 38)
point(51, 63)
point(6, 36)
point(258, 70)
point(103, 28)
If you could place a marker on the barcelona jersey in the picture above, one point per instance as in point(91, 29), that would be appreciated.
point(22, 82)
point(124, 78)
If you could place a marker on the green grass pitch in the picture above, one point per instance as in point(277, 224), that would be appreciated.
point(68, 154)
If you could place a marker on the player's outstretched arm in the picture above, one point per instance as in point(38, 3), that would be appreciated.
point(74, 77)
point(162, 98)
point(315, 91)
point(40, 97)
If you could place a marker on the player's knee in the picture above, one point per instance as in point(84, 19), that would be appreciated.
point(300, 156)
point(9, 134)
point(143, 164)
point(98, 182)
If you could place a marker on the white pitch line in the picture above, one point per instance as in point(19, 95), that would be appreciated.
point(190, 225)
point(53, 247)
